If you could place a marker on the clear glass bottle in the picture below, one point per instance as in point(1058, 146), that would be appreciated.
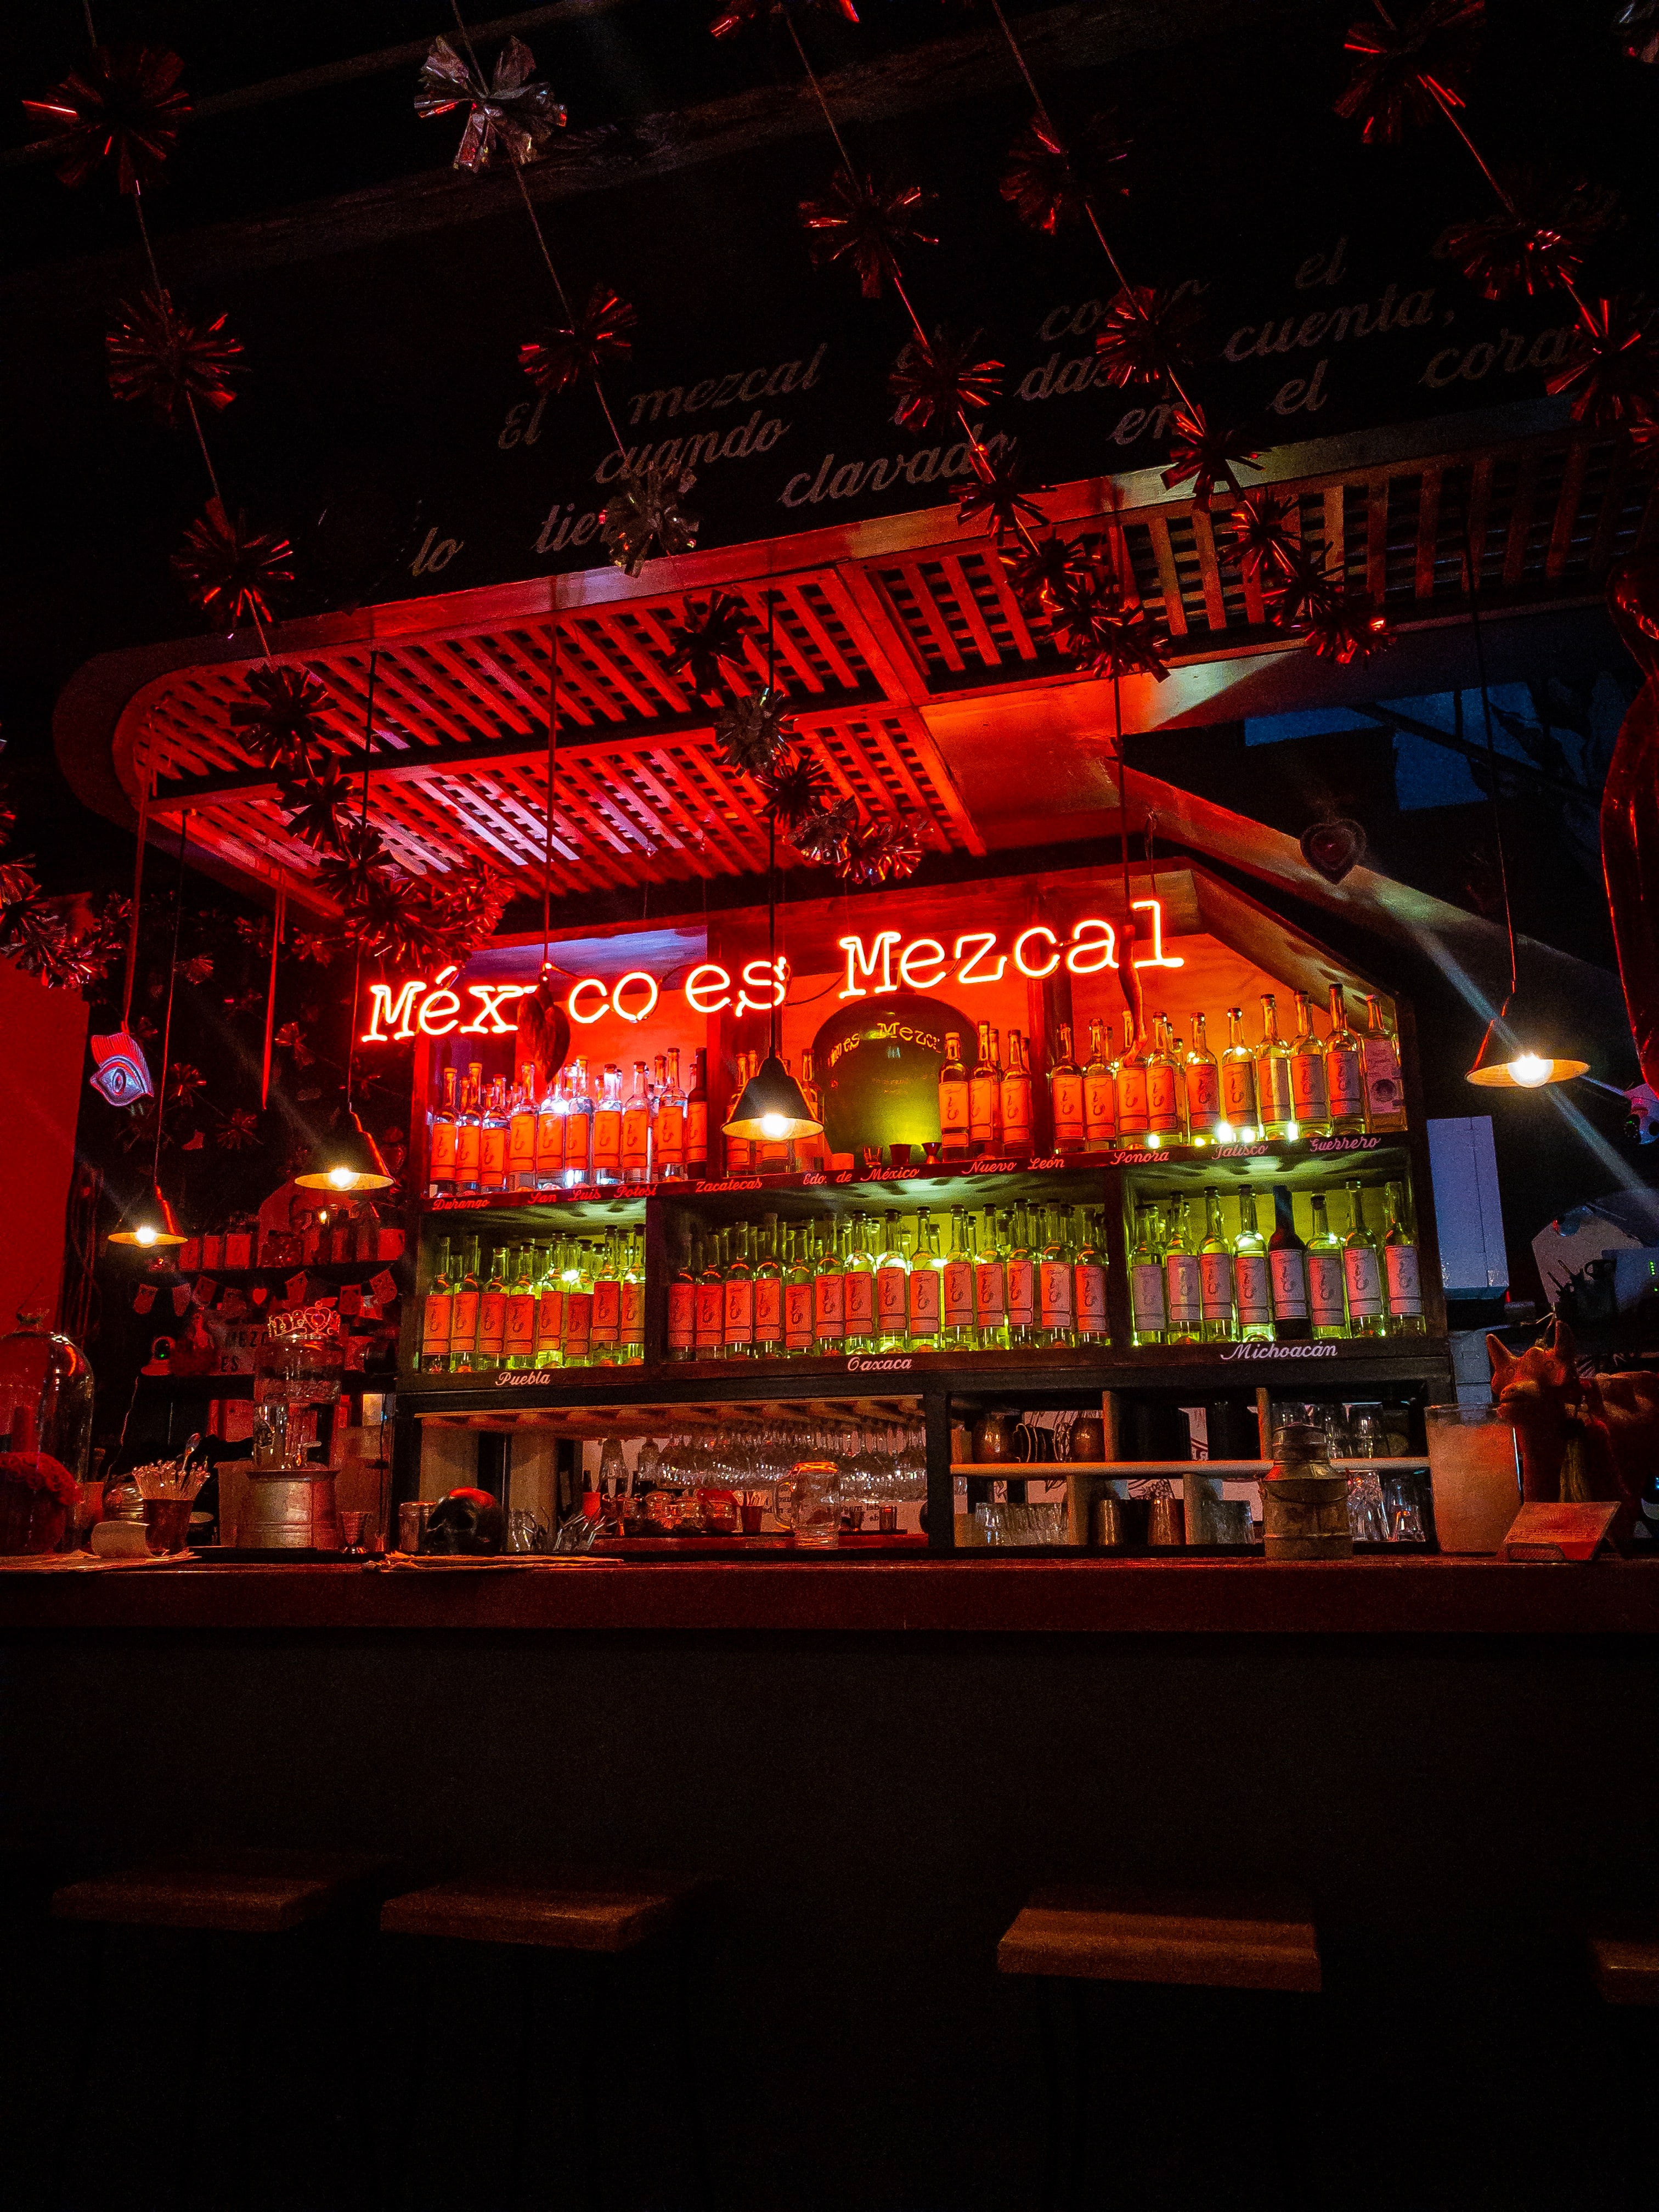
point(1345, 1073)
point(464, 1307)
point(958, 1329)
point(1162, 1084)
point(550, 1136)
point(768, 1293)
point(1183, 1282)
point(668, 1133)
point(953, 1101)
point(1401, 1274)
point(892, 1288)
point(579, 1129)
point(1132, 1086)
point(633, 1299)
point(1148, 1308)
point(991, 1284)
point(926, 1302)
point(1328, 1300)
point(683, 1303)
point(1204, 1115)
point(810, 1153)
point(984, 1097)
point(829, 1292)
point(635, 1140)
point(858, 1288)
point(1253, 1287)
point(1065, 1096)
point(469, 1130)
point(521, 1135)
point(739, 1324)
point(605, 1165)
point(1017, 1138)
point(1287, 1273)
point(1239, 1120)
point(606, 1328)
point(492, 1315)
point(1019, 1274)
point(1362, 1271)
point(493, 1136)
point(577, 1344)
point(434, 1315)
point(1056, 1285)
point(798, 1299)
point(739, 1152)
point(1099, 1095)
point(696, 1116)
point(1274, 1100)
point(709, 1340)
point(1309, 1095)
point(1217, 1289)
point(1092, 1325)
point(441, 1145)
point(549, 1306)
point(1385, 1089)
point(519, 1343)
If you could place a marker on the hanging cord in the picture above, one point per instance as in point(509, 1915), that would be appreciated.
point(279, 914)
point(173, 980)
point(358, 955)
point(1472, 580)
point(137, 891)
point(552, 769)
point(772, 831)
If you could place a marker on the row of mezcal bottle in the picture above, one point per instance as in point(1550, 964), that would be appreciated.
point(1021, 1279)
point(1157, 1090)
point(570, 1303)
point(1195, 1281)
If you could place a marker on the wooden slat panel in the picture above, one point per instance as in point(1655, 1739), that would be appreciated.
point(1215, 606)
point(1376, 537)
point(1521, 514)
point(977, 628)
point(1566, 507)
point(1608, 520)
point(1336, 546)
point(1428, 532)
point(1174, 610)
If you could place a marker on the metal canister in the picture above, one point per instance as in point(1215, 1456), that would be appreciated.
point(287, 1512)
point(1304, 1501)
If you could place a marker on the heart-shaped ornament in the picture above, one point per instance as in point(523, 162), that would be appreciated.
point(1334, 847)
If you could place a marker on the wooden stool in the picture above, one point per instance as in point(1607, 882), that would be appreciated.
point(225, 1895)
point(1161, 1939)
point(596, 1920)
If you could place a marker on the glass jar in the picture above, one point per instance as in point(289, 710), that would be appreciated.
point(1475, 1474)
point(297, 1372)
point(808, 1500)
point(45, 1394)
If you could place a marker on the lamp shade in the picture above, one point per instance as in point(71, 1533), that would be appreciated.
point(149, 1222)
point(772, 1106)
point(1510, 1059)
point(347, 1160)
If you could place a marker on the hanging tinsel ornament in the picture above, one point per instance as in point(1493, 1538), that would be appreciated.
point(1408, 73)
point(357, 863)
point(1143, 335)
point(415, 919)
point(277, 721)
point(1345, 628)
point(795, 790)
point(1535, 240)
point(1263, 540)
point(739, 15)
point(514, 114)
point(933, 382)
point(317, 807)
point(753, 732)
point(1049, 574)
point(157, 354)
point(885, 851)
point(240, 1130)
point(470, 900)
point(231, 572)
point(865, 223)
point(123, 106)
point(1611, 367)
point(825, 836)
point(996, 493)
point(1048, 187)
point(41, 936)
point(1125, 641)
point(644, 510)
point(1209, 458)
point(600, 332)
point(1304, 588)
point(711, 635)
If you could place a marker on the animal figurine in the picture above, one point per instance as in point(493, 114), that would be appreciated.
point(1628, 1403)
point(1566, 1453)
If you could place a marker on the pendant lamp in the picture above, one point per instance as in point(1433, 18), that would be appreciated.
point(149, 1222)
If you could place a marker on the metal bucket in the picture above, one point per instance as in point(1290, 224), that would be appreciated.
point(1305, 1517)
point(288, 1512)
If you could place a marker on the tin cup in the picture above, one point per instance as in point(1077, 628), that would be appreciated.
point(412, 1516)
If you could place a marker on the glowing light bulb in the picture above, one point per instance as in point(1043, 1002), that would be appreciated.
point(144, 1236)
point(1291, 1133)
point(341, 1178)
point(1529, 1071)
point(773, 1126)
point(1224, 1135)
point(1152, 1140)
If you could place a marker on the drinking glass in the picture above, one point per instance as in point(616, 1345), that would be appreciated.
point(1368, 1520)
point(1399, 1497)
point(809, 1501)
point(1474, 1470)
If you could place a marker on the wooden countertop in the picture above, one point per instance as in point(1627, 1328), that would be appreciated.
point(861, 1594)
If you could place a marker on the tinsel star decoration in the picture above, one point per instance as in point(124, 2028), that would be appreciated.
point(230, 572)
point(358, 859)
point(1612, 369)
point(1209, 458)
point(825, 836)
point(1049, 187)
point(277, 722)
point(794, 789)
point(934, 382)
point(882, 852)
point(998, 495)
point(240, 1130)
point(197, 970)
point(1046, 576)
point(1143, 336)
point(710, 636)
point(121, 108)
point(866, 224)
point(644, 511)
point(753, 732)
point(291, 1038)
point(1261, 540)
point(1124, 640)
point(514, 114)
point(64, 949)
point(601, 333)
point(739, 15)
point(1536, 240)
point(316, 806)
point(1312, 602)
point(1304, 585)
point(1408, 73)
point(414, 920)
point(311, 945)
point(157, 354)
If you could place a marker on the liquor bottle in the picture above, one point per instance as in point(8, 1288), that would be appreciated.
point(953, 1088)
point(991, 1287)
point(1163, 1084)
point(1327, 1302)
point(740, 1154)
point(682, 1305)
point(1065, 1097)
point(578, 1128)
point(464, 1307)
point(1020, 1277)
point(1175, 1045)
point(1204, 1114)
point(810, 1153)
point(696, 1116)
point(1345, 1073)
point(1400, 1266)
point(440, 1151)
point(434, 1315)
point(985, 1098)
point(1309, 1095)
point(604, 1330)
point(519, 1344)
point(469, 1130)
point(1216, 1287)
point(1017, 1136)
point(1183, 1282)
point(635, 1147)
point(493, 1137)
point(1275, 1104)
point(1238, 1113)
point(828, 1292)
point(739, 1323)
point(1385, 1092)
point(892, 1288)
point(798, 1299)
point(1099, 1095)
point(1252, 1277)
point(956, 1324)
point(1362, 1271)
point(632, 1300)
point(606, 1163)
point(1149, 1311)
point(1092, 1326)
point(668, 1133)
point(771, 1153)
point(550, 1137)
point(709, 1338)
point(549, 1307)
point(1287, 1273)
point(577, 1344)
point(492, 1315)
point(858, 1289)
point(1056, 1285)
point(1132, 1086)
point(521, 1137)
point(768, 1293)
point(925, 1303)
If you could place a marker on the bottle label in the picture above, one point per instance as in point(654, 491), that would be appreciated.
point(1288, 1272)
point(1131, 1099)
point(890, 1300)
point(682, 1316)
point(521, 1324)
point(1091, 1297)
point(1164, 1099)
point(1327, 1305)
point(492, 1322)
point(798, 1315)
point(578, 1325)
point(711, 1315)
point(1066, 1097)
point(1405, 1285)
point(607, 1137)
point(1215, 1278)
point(1022, 1294)
point(463, 1321)
point(1203, 1093)
point(492, 1158)
point(636, 1137)
point(633, 1312)
point(1383, 1093)
point(1364, 1280)
point(1308, 1085)
point(1345, 1083)
point(1184, 1289)
point(435, 1323)
point(990, 1294)
point(577, 1131)
point(1099, 1109)
point(952, 1108)
point(959, 1294)
point(671, 1136)
point(1056, 1288)
point(828, 1305)
point(1273, 1082)
point(549, 1319)
point(924, 1302)
point(443, 1152)
point(1255, 1290)
point(697, 1132)
point(521, 1145)
point(858, 1301)
point(739, 1155)
point(984, 1099)
point(769, 1308)
point(605, 1326)
point(1146, 1292)
point(1015, 1109)
point(741, 1312)
point(1239, 1092)
point(469, 1139)
point(550, 1143)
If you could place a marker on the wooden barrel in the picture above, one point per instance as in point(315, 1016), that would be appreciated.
point(1305, 1517)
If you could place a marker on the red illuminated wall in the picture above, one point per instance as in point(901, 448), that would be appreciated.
point(46, 1038)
